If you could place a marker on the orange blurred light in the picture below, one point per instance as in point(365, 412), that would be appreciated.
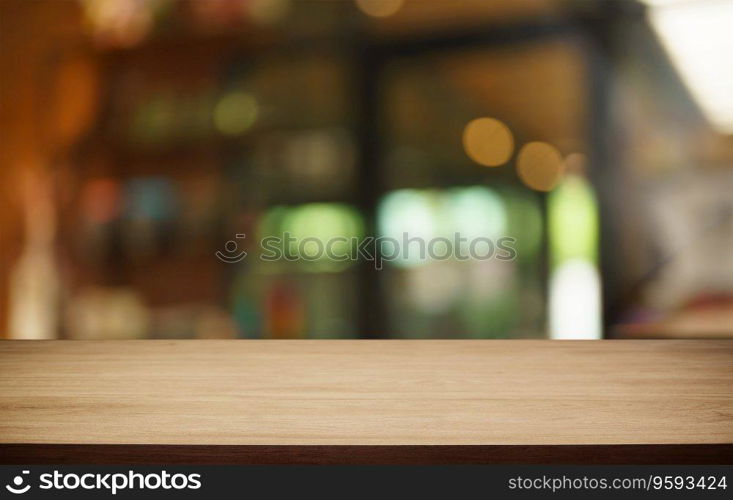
point(540, 166)
point(379, 8)
point(488, 142)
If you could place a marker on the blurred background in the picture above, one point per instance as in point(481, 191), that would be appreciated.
point(139, 137)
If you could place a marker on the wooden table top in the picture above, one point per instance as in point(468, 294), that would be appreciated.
point(247, 392)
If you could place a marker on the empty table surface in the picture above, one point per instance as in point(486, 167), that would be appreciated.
point(246, 395)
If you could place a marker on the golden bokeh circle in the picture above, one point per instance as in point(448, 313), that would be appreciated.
point(379, 8)
point(540, 166)
point(235, 113)
point(488, 142)
point(576, 164)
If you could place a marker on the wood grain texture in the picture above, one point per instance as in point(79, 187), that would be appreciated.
point(367, 393)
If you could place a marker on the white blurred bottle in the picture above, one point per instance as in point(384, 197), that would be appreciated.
point(34, 281)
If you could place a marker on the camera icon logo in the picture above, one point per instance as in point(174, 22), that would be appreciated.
point(230, 255)
point(17, 487)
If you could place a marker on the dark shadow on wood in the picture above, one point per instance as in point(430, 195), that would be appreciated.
point(684, 454)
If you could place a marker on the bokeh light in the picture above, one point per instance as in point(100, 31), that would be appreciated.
point(319, 223)
point(540, 166)
point(407, 211)
point(472, 212)
point(575, 301)
point(477, 212)
point(488, 142)
point(379, 8)
point(268, 11)
point(573, 221)
point(576, 164)
point(235, 113)
point(121, 23)
point(575, 296)
point(101, 200)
